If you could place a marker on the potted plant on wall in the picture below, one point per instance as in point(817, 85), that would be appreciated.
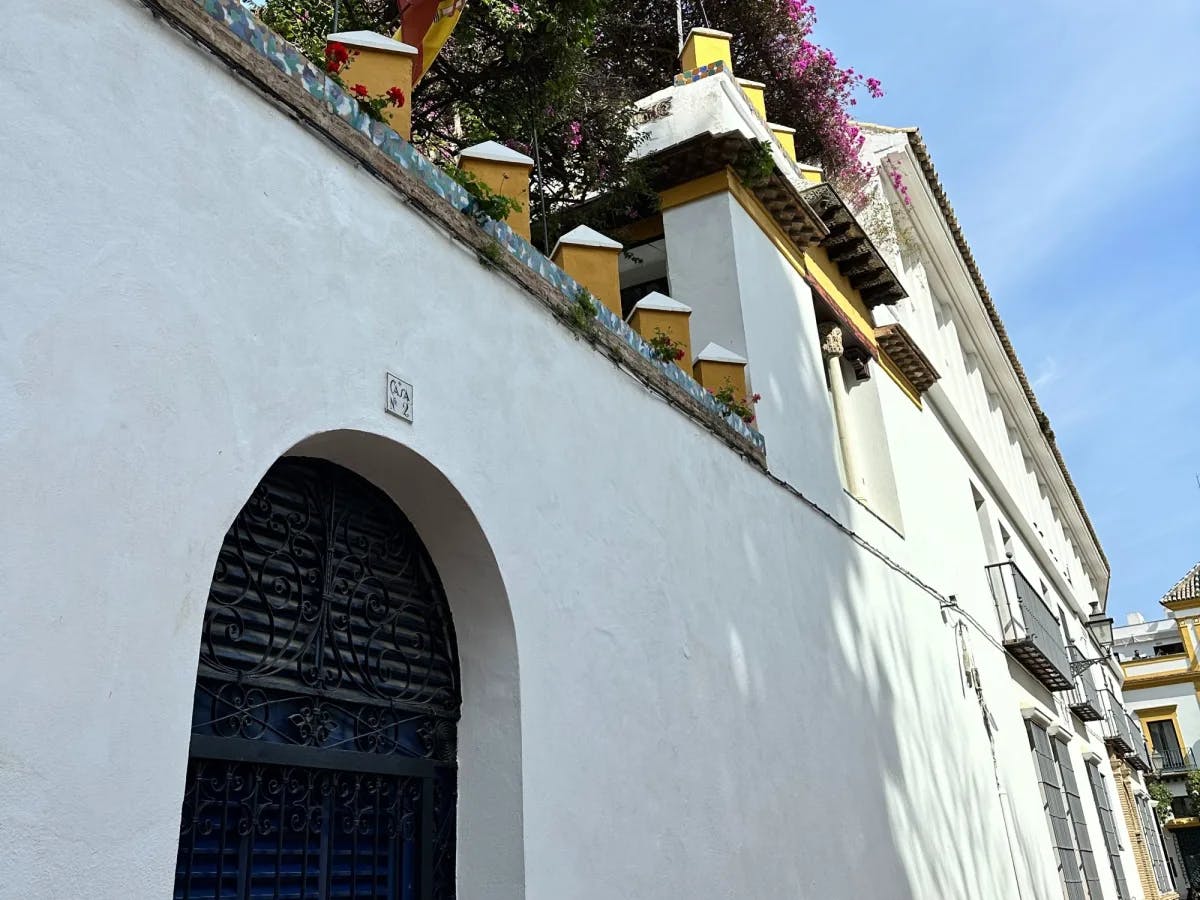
point(740, 406)
point(664, 348)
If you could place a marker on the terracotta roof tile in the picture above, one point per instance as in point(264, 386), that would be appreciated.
point(1186, 588)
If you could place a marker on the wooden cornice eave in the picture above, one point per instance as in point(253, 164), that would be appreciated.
point(852, 250)
point(902, 350)
point(707, 153)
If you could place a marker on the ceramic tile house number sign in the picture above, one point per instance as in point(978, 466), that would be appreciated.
point(399, 401)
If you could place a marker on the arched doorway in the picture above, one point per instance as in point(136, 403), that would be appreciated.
point(323, 752)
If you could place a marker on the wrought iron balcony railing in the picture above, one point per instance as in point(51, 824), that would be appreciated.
point(1140, 757)
point(1084, 699)
point(1172, 761)
point(1185, 807)
point(1117, 733)
point(1029, 628)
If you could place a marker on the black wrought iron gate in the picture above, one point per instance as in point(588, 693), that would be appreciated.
point(323, 731)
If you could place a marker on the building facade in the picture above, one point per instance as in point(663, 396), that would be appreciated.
point(356, 548)
point(1161, 679)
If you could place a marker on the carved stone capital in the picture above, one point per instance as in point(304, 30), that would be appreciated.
point(832, 345)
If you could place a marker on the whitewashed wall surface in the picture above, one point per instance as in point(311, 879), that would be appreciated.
point(679, 679)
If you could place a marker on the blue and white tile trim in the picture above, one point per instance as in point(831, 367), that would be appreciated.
point(291, 62)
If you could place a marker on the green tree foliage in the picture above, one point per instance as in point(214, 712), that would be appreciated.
point(513, 72)
point(565, 73)
point(1161, 795)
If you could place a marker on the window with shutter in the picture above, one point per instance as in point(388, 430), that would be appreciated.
point(1158, 858)
point(1108, 826)
point(1056, 812)
point(1083, 839)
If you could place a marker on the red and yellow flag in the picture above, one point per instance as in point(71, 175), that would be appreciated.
point(427, 24)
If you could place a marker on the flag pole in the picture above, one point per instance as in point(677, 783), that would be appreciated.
point(537, 156)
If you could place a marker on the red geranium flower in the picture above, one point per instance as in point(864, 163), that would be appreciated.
point(360, 90)
point(396, 96)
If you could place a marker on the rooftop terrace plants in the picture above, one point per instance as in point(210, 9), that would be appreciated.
point(559, 78)
point(732, 402)
point(664, 348)
point(335, 60)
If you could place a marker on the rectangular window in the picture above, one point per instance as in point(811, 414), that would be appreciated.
point(1165, 743)
point(1109, 826)
point(1083, 839)
point(1056, 812)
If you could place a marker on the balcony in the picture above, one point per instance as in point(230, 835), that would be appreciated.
point(1117, 733)
point(1084, 699)
point(1156, 665)
point(1173, 761)
point(1140, 757)
point(1029, 628)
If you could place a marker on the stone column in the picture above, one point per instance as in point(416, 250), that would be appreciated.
point(833, 349)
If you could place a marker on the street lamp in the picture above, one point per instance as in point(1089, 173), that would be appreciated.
point(1100, 627)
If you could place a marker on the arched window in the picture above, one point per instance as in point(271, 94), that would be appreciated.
point(322, 759)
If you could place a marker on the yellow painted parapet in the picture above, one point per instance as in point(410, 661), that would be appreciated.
point(810, 173)
point(1181, 605)
point(716, 367)
point(755, 91)
point(705, 46)
point(380, 64)
point(787, 139)
point(506, 172)
point(594, 261)
point(659, 313)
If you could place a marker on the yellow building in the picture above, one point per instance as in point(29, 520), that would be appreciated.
point(1162, 676)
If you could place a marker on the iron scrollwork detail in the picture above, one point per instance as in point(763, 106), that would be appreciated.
point(327, 630)
point(326, 624)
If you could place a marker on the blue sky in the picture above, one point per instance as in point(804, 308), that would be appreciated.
point(1067, 135)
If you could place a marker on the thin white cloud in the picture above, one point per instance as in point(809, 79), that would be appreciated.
point(1094, 112)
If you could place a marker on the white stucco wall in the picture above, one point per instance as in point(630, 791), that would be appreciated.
point(946, 316)
point(720, 694)
point(702, 270)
